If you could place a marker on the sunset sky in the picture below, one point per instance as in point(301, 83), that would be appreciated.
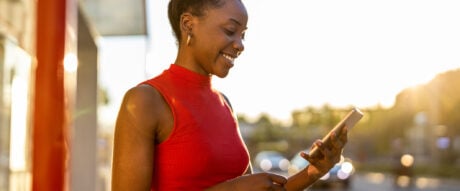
point(307, 53)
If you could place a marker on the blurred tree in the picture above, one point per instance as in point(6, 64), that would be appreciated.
point(375, 134)
point(104, 97)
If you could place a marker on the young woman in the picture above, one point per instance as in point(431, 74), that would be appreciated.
point(176, 132)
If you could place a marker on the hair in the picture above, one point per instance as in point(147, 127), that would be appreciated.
point(196, 7)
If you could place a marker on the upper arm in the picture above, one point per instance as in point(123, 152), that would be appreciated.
point(134, 139)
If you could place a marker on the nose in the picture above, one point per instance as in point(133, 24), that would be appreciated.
point(238, 45)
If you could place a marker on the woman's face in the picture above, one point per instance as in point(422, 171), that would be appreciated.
point(217, 38)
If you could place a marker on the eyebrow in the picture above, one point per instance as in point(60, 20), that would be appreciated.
point(237, 22)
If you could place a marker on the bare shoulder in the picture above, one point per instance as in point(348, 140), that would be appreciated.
point(143, 107)
point(142, 97)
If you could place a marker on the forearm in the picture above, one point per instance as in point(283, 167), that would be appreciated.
point(224, 186)
point(302, 180)
point(228, 185)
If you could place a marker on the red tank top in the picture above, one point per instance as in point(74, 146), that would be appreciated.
point(205, 147)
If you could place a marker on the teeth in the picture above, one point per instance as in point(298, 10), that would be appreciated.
point(228, 57)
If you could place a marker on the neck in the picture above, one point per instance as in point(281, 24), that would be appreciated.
point(186, 59)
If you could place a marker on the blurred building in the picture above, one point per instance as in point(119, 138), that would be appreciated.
point(49, 89)
point(17, 47)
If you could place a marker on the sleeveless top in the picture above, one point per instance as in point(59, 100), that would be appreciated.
point(205, 146)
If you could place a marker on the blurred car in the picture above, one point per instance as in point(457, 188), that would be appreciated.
point(339, 175)
point(404, 172)
point(271, 161)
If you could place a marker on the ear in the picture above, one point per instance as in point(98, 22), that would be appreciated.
point(186, 23)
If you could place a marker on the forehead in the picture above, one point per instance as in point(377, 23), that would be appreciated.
point(231, 11)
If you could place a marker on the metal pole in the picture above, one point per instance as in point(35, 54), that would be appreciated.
point(49, 116)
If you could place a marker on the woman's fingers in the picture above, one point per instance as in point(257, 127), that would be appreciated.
point(276, 187)
point(338, 140)
point(260, 182)
point(278, 179)
point(319, 144)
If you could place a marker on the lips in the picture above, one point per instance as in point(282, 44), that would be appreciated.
point(229, 57)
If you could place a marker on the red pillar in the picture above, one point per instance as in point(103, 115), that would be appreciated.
point(49, 118)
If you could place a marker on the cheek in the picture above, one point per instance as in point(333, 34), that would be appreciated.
point(211, 49)
point(217, 39)
point(210, 44)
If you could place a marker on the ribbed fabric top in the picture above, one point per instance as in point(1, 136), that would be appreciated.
point(205, 146)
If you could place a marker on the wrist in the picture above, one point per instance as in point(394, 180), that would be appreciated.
point(303, 179)
point(314, 173)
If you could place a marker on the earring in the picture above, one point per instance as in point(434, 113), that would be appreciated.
point(188, 39)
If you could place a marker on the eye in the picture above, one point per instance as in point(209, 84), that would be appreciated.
point(229, 32)
point(233, 32)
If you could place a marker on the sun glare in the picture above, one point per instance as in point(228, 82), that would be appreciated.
point(339, 53)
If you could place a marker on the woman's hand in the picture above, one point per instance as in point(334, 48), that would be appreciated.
point(330, 154)
point(260, 181)
point(253, 182)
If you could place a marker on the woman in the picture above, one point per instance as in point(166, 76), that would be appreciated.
point(175, 132)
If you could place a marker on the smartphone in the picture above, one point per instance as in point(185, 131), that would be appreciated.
point(349, 121)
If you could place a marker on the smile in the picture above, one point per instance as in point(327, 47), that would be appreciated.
point(228, 57)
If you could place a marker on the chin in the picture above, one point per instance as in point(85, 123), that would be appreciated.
point(222, 74)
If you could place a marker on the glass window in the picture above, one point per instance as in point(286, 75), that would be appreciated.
point(15, 85)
